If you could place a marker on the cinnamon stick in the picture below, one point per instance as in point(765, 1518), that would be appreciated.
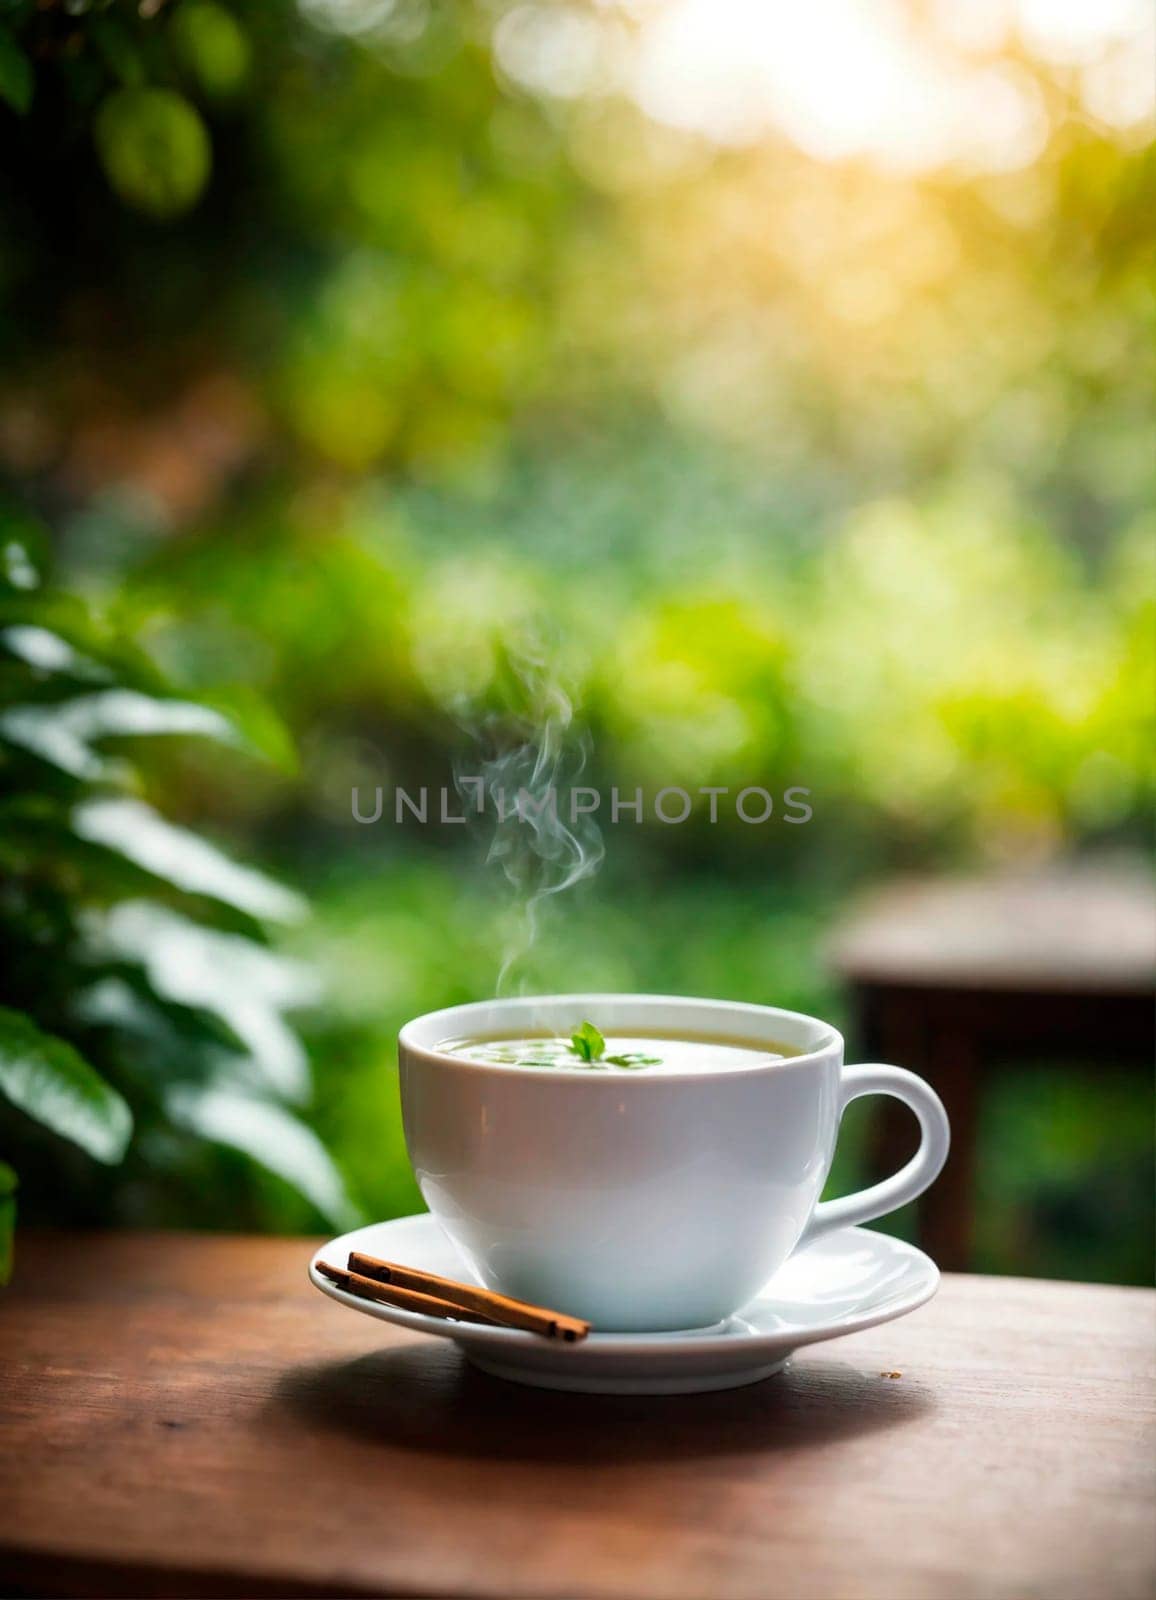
point(494, 1307)
point(404, 1299)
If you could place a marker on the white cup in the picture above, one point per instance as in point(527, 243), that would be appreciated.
point(642, 1201)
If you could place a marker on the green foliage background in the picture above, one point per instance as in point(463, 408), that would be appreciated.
point(334, 357)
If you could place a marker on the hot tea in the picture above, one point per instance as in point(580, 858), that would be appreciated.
point(587, 1049)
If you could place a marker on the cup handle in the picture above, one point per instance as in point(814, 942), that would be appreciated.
point(910, 1181)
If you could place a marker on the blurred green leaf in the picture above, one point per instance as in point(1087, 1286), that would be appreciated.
point(254, 723)
point(36, 830)
point(244, 984)
point(39, 730)
point(271, 1136)
point(16, 77)
point(154, 149)
point(178, 1042)
point(20, 550)
point(47, 652)
point(64, 733)
point(211, 44)
point(101, 650)
point(182, 858)
point(47, 1080)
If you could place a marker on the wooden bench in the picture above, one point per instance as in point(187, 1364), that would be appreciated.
point(956, 978)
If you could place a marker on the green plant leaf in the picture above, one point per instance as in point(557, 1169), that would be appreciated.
point(135, 831)
point(160, 1041)
point(46, 1079)
point(212, 46)
point(587, 1043)
point(36, 834)
point(8, 1184)
point(47, 652)
point(155, 150)
point(254, 725)
point(63, 733)
point(26, 603)
point(223, 974)
point(16, 77)
point(269, 1135)
point(24, 547)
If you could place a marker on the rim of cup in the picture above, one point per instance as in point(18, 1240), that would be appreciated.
point(414, 1036)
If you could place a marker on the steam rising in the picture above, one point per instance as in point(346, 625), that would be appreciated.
point(515, 790)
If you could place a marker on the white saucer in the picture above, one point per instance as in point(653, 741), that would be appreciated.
point(847, 1280)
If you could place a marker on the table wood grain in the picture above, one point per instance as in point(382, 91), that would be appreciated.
point(184, 1415)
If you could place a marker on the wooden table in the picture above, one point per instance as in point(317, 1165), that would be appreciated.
point(184, 1415)
point(958, 977)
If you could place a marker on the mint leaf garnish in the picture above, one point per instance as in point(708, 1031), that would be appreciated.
point(587, 1043)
